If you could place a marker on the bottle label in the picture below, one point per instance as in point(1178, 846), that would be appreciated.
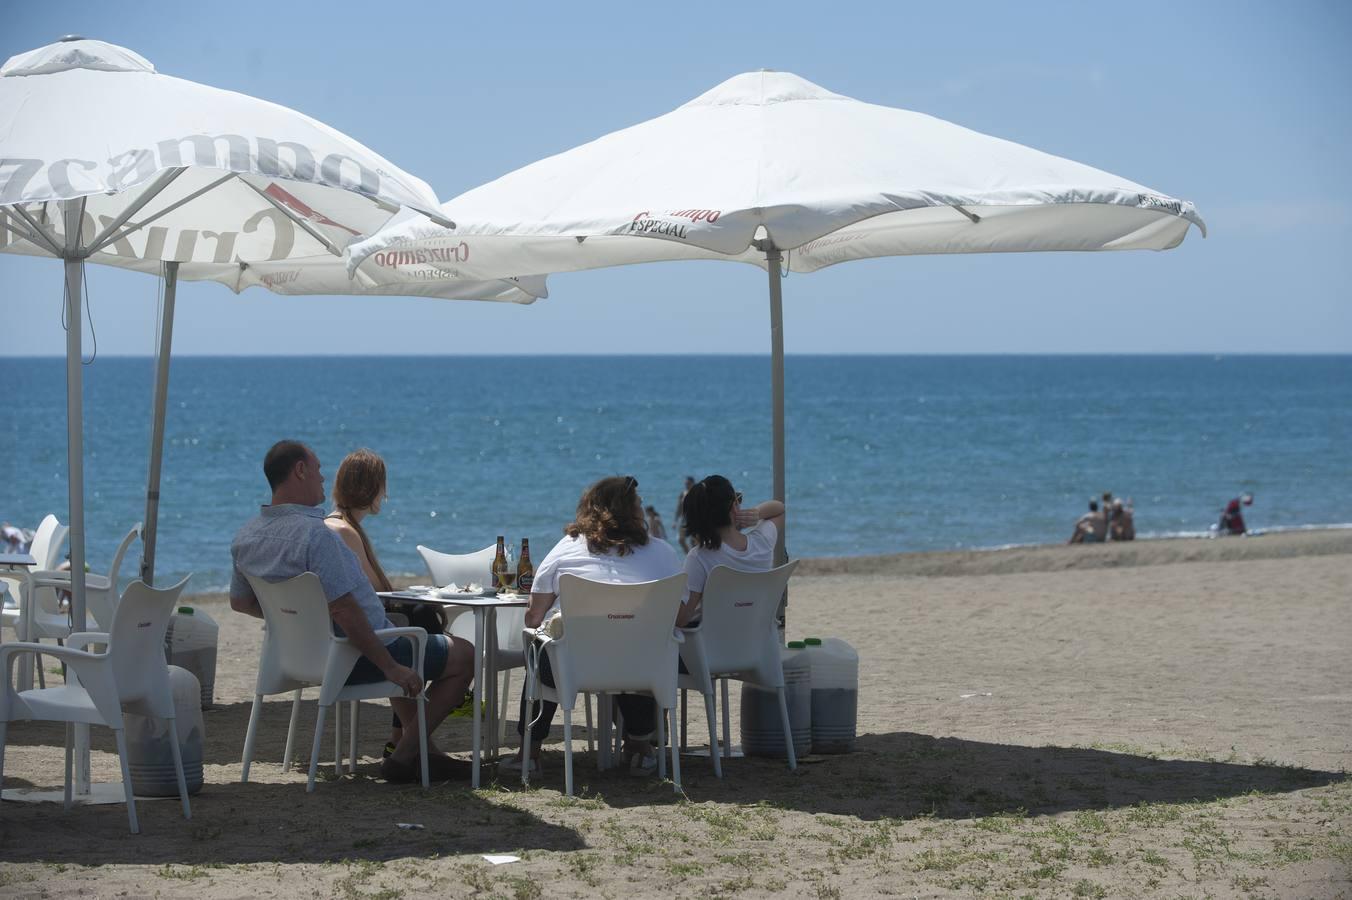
point(523, 582)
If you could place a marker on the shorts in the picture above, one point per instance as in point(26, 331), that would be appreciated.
point(434, 660)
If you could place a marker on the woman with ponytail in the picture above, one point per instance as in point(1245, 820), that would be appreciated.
point(358, 492)
point(714, 516)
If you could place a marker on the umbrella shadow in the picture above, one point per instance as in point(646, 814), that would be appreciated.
point(906, 775)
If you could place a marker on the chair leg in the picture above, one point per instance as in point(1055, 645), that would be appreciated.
point(42, 677)
point(352, 736)
point(684, 720)
point(506, 699)
point(250, 736)
point(788, 732)
point(662, 742)
point(178, 768)
point(591, 734)
point(603, 732)
point(70, 757)
point(314, 750)
point(714, 752)
point(617, 732)
point(422, 739)
point(291, 731)
point(121, 737)
point(4, 729)
point(727, 723)
point(567, 752)
point(675, 755)
point(338, 738)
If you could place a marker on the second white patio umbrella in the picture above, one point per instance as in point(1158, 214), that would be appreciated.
point(770, 169)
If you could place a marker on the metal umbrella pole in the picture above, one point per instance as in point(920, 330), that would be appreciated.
point(772, 261)
point(161, 395)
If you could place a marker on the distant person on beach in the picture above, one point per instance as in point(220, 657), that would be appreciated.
point(1232, 520)
point(680, 514)
point(358, 492)
point(1090, 528)
point(1121, 526)
point(655, 526)
point(288, 538)
point(1106, 504)
point(716, 519)
point(12, 536)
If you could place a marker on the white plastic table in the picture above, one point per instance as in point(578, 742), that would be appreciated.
point(485, 623)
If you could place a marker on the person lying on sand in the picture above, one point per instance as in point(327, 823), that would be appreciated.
point(287, 538)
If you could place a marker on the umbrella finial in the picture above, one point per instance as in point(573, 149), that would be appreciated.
point(67, 38)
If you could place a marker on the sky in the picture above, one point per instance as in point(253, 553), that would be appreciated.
point(1243, 108)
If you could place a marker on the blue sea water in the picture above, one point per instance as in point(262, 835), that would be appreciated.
point(885, 453)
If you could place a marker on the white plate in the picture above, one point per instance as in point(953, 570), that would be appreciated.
point(461, 595)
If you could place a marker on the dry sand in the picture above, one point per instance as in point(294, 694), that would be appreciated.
point(1158, 719)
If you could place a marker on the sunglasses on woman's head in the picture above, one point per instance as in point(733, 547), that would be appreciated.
point(738, 497)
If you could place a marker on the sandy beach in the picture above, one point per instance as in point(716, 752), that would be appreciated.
point(1154, 719)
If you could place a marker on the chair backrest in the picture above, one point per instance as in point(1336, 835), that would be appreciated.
point(116, 567)
point(619, 637)
point(47, 541)
point(103, 604)
point(136, 643)
point(299, 631)
point(738, 624)
point(462, 568)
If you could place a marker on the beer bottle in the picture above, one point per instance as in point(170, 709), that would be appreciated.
point(525, 572)
point(499, 562)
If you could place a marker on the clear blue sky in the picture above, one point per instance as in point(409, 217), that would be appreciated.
point(1243, 108)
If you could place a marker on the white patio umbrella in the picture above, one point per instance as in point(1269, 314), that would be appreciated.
point(771, 169)
point(104, 159)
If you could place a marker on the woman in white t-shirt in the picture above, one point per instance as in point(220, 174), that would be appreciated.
point(715, 518)
point(607, 541)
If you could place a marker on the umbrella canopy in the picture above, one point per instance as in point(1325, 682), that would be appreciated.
point(102, 158)
point(771, 169)
point(771, 156)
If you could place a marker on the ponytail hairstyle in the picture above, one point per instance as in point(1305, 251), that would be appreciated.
point(360, 483)
point(609, 517)
point(708, 508)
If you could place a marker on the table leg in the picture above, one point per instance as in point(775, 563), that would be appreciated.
point(491, 685)
point(478, 694)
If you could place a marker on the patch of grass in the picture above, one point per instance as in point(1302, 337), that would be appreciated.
point(524, 888)
point(1098, 857)
point(181, 873)
point(1086, 888)
point(685, 869)
point(584, 866)
point(937, 861)
point(1154, 815)
point(1150, 857)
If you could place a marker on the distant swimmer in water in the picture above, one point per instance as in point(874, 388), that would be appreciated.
point(1121, 527)
point(655, 526)
point(1232, 520)
point(1090, 528)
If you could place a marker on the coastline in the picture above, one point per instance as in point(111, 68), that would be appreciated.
point(1042, 557)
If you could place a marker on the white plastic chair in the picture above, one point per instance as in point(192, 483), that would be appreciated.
point(738, 637)
point(130, 675)
point(45, 548)
point(300, 650)
point(463, 568)
point(617, 638)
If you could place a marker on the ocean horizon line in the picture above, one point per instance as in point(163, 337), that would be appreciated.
point(1059, 354)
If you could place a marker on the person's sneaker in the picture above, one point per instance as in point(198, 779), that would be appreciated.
point(642, 765)
point(513, 764)
point(388, 751)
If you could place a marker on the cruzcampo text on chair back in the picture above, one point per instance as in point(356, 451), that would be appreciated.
point(619, 636)
point(299, 629)
point(136, 645)
point(461, 568)
point(738, 625)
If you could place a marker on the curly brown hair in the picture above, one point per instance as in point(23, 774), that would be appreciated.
point(609, 516)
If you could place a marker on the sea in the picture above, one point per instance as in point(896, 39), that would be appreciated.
point(885, 454)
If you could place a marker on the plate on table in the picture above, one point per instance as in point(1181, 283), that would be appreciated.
point(445, 594)
point(413, 593)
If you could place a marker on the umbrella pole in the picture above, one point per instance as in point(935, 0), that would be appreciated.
point(150, 528)
point(73, 215)
point(772, 259)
